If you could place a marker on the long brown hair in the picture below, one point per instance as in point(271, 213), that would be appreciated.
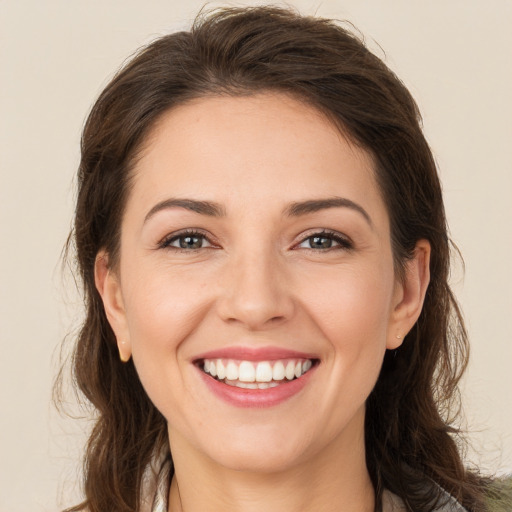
point(411, 443)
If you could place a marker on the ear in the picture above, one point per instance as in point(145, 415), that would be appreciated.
point(109, 288)
point(409, 295)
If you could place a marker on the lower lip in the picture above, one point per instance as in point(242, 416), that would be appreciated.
point(241, 397)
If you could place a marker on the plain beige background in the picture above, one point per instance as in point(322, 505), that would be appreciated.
point(55, 56)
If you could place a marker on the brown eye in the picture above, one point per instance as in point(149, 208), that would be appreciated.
point(188, 241)
point(319, 242)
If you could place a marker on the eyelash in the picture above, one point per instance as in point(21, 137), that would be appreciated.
point(343, 242)
point(167, 241)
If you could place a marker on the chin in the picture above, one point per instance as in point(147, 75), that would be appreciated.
point(257, 460)
point(260, 451)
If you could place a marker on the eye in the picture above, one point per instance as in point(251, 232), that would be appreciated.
point(189, 240)
point(324, 241)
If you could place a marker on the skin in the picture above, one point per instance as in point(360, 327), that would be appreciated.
point(257, 281)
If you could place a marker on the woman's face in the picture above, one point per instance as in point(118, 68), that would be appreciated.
point(255, 244)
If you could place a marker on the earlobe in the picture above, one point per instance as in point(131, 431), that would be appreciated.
point(410, 294)
point(109, 288)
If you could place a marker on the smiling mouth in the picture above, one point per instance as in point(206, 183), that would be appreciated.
point(256, 374)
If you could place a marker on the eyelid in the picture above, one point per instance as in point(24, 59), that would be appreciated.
point(165, 242)
point(344, 242)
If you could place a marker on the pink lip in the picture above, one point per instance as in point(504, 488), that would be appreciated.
point(241, 397)
point(254, 354)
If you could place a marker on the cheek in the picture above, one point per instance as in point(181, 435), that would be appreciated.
point(163, 305)
point(352, 307)
point(163, 309)
point(353, 314)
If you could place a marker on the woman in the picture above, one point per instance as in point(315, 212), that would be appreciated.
point(262, 239)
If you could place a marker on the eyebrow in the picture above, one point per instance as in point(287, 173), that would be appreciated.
point(314, 205)
point(295, 209)
point(202, 207)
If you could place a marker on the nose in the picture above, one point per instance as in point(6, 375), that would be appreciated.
point(255, 292)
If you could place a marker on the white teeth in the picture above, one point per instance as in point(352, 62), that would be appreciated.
point(246, 372)
point(251, 385)
point(290, 370)
point(221, 371)
point(244, 385)
point(278, 371)
point(235, 383)
point(264, 372)
point(232, 371)
point(266, 385)
point(249, 374)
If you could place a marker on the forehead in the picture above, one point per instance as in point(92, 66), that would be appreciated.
point(263, 148)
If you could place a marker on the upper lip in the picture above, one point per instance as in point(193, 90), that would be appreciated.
point(255, 354)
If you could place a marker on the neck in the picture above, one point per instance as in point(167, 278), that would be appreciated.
point(334, 479)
